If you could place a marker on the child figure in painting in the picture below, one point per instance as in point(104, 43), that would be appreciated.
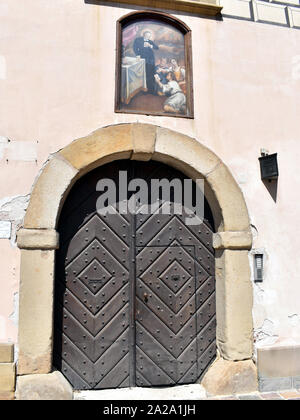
point(179, 74)
point(177, 101)
point(162, 69)
point(178, 71)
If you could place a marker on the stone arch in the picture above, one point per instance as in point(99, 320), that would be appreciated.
point(38, 238)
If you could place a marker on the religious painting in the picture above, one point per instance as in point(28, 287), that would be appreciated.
point(154, 66)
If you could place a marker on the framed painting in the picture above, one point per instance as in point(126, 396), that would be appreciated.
point(153, 66)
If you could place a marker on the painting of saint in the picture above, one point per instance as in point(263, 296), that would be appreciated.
point(153, 69)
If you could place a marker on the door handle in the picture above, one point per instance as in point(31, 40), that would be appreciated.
point(145, 297)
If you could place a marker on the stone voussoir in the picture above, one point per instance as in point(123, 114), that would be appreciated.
point(38, 239)
point(230, 198)
point(143, 137)
point(172, 145)
point(48, 194)
point(103, 146)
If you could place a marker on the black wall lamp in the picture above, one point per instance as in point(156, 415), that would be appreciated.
point(268, 165)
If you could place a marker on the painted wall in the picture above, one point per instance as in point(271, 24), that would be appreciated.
point(57, 66)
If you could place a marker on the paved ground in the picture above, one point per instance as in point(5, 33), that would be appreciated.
point(292, 394)
point(183, 392)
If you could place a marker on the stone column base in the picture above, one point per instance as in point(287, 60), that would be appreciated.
point(225, 377)
point(50, 386)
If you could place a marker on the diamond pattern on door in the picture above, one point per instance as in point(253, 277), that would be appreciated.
point(134, 294)
point(166, 323)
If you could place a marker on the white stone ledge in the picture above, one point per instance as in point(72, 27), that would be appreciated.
point(207, 7)
point(237, 8)
point(287, 2)
point(269, 12)
point(38, 239)
point(294, 15)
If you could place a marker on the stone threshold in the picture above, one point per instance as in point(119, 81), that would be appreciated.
point(181, 392)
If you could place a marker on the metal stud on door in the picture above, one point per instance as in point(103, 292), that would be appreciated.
point(92, 290)
point(165, 315)
point(134, 294)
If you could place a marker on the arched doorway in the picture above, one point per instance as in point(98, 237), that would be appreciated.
point(134, 293)
point(38, 239)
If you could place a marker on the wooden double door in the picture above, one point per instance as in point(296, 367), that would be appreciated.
point(134, 293)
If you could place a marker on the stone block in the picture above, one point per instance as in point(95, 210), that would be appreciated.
point(230, 199)
point(48, 194)
point(234, 301)
point(278, 361)
point(274, 384)
point(52, 386)
point(102, 146)
point(6, 352)
point(7, 395)
point(37, 239)
point(7, 377)
point(290, 2)
point(232, 240)
point(143, 136)
point(226, 378)
point(237, 8)
point(36, 311)
point(294, 15)
point(171, 145)
point(296, 382)
point(269, 12)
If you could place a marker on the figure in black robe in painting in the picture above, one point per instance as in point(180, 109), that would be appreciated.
point(144, 46)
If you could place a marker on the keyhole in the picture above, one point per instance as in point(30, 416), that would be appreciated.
point(145, 297)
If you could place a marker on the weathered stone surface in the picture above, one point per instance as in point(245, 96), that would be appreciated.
point(52, 386)
point(7, 395)
point(143, 137)
point(180, 392)
point(6, 352)
point(278, 361)
point(226, 377)
point(7, 376)
point(36, 311)
point(234, 299)
point(195, 160)
point(48, 194)
point(230, 199)
point(37, 239)
point(102, 146)
point(275, 384)
point(171, 145)
point(232, 240)
point(234, 291)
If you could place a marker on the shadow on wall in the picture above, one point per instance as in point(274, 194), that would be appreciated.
point(271, 186)
point(145, 7)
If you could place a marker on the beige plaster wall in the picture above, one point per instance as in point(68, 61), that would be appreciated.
point(57, 66)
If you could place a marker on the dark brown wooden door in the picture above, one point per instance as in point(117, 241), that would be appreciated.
point(134, 294)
